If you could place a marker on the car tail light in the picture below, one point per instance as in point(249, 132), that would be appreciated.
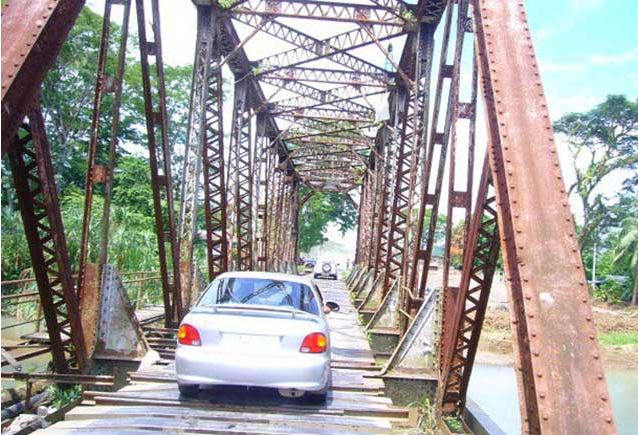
point(314, 343)
point(188, 335)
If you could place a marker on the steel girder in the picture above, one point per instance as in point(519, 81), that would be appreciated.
point(339, 96)
point(32, 35)
point(558, 364)
point(306, 42)
point(33, 178)
point(465, 318)
point(240, 170)
point(159, 159)
point(205, 144)
point(329, 47)
point(438, 139)
point(402, 226)
point(322, 75)
point(264, 199)
point(321, 10)
point(103, 173)
point(388, 138)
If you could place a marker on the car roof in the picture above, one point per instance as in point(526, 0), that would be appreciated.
point(267, 275)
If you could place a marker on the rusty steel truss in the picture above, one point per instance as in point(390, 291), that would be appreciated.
point(320, 103)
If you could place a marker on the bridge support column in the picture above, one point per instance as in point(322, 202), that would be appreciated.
point(159, 160)
point(33, 177)
point(241, 179)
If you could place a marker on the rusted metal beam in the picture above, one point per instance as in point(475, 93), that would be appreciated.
point(32, 35)
point(33, 178)
point(103, 173)
point(320, 10)
point(438, 140)
point(558, 363)
point(323, 75)
point(329, 47)
point(415, 115)
point(306, 42)
point(159, 159)
point(480, 255)
point(240, 178)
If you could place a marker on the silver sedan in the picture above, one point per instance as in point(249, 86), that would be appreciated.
point(257, 329)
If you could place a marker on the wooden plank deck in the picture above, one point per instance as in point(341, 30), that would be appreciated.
point(151, 403)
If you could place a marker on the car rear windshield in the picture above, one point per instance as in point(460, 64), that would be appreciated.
point(258, 291)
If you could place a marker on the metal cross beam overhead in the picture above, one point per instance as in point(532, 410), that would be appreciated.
point(321, 10)
point(323, 75)
point(307, 42)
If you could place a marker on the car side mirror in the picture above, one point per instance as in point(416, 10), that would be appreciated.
point(333, 306)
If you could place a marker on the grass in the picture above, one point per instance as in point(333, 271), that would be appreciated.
point(427, 417)
point(454, 424)
point(618, 338)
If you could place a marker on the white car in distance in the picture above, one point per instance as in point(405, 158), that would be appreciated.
point(257, 329)
point(325, 269)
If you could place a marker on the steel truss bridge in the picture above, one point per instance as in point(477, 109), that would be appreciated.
point(304, 116)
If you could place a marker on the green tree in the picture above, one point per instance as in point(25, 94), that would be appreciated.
point(602, 142)
point(627, 250)
point(321, 209)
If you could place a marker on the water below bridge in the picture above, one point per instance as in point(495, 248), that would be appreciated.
point(493, 388)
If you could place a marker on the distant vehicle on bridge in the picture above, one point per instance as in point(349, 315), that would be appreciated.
point(325, 269)
point(257, 329)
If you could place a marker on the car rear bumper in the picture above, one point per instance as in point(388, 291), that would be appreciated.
point(201, 366)
point(325, 275)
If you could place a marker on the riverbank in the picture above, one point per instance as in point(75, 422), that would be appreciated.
point(617, 334)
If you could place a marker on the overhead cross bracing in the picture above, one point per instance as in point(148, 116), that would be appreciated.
point(382, 97)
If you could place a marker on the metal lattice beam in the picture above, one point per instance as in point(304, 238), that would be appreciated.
point(33, 178)
point(320, 10)
point(159, 159)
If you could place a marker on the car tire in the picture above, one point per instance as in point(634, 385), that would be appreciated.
point(317, 398)
point(188, 390)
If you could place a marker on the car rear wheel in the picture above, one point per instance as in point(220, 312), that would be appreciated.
point(317, 399)
point(188, 390)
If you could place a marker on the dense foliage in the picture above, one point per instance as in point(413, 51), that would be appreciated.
point(67, 95)
point(321, 209)
point(604, 144)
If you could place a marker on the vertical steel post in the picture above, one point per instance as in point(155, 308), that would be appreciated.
point(103, 173)
point(437, 140)
point(33, 177)
point(241, 184)
point(159, 160)
point(458, 349)
point(204, 144)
